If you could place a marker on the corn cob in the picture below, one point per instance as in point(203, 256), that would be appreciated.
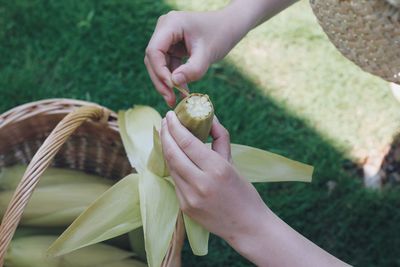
point(196, 113)
point(31, 252)
point(56, 205)
point(11, 176)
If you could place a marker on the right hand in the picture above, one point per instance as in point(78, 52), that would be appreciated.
point(208, 187)
point(203, 37)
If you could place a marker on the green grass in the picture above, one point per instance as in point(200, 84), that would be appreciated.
point(284, 88)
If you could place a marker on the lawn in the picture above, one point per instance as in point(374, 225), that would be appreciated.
point(284, 88)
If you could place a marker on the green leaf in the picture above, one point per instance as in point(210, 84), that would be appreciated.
point(159, 209)
point(136, 129)
point(258, 165)
point(198, 236)
point(114, 213)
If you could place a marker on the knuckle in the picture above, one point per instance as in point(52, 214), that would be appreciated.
point(222, 172)
point(172, 13)
point(186, 143)
point(194, 203)
point(197, 73)
point(161, 18)
point(149, 51)
point(205, 190)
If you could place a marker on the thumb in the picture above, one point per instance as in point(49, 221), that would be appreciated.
point(193, 69)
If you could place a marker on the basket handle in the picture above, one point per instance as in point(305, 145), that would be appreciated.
point(40, 161)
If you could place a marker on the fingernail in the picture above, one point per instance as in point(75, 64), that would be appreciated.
point(178, 78)
point(168, 82)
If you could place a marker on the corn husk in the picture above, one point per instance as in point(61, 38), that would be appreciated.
point(156, 162)
point(35, 231)
point(55, 205)
point(136, 126)
point(11, 176)
point(31, 252)
point(258, 165)
point(159, 208)
point(114, 213)
point(197, 235)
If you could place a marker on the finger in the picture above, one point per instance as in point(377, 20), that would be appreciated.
point(158, 61)
point(165, 35)
point(195, 150)
point(161, 87)
point(221, 140)
point(176, 159)
point(175, 62)
point(193, 69)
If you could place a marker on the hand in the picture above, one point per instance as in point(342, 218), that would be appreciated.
point(204, 37)
point(197, 35)
point(212, 193)
point(208, 187)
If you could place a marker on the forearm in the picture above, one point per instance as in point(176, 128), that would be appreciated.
point(277, 244)
point(241, 16)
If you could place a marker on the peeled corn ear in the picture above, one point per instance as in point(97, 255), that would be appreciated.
point(196, 113)
point(55, 205)
point(11, 176)
point(31, 252)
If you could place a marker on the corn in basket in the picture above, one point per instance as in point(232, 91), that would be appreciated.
point(63, 133)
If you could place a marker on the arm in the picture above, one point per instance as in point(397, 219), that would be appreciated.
point(211, 192)
point(277, 244)
point(205, 37)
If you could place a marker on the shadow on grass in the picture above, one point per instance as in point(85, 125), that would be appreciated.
point(93, 50)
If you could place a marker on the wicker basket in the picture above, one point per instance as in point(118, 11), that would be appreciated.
point(50, 127)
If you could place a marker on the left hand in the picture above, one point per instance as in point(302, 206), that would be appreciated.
point(209, 189)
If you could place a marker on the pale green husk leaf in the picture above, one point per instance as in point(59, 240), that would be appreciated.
point(159, 209)
point(12, 175)
point(258, 165)
point(31, 252)
point(56, 205)
point(114, 213)
point(197, 235)
point(136, 128)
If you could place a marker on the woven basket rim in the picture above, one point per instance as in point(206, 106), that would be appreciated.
point(50, 105)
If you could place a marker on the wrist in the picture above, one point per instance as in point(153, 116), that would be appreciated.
point(249, 242)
